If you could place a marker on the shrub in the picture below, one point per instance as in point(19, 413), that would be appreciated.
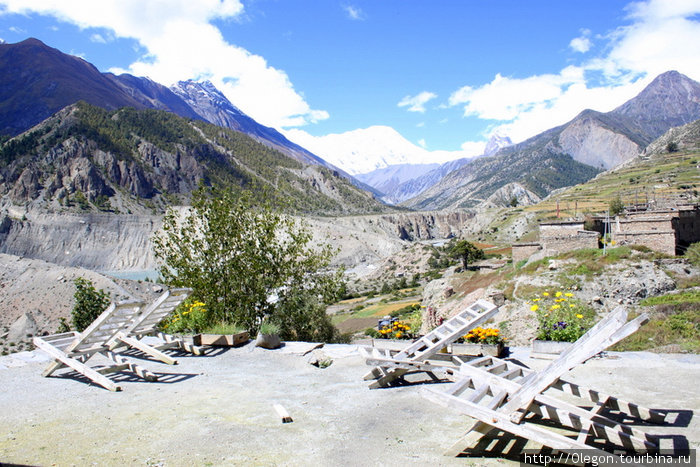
point(268, 328)
point(190, 316)
point(692, 254)
point(89, 303)
point(236, 253)
point(561, 317)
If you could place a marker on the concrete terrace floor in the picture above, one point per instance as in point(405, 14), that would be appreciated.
point(218, 410)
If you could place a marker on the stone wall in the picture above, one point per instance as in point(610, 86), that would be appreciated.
point(560, 229)
point(523, 251)
point(562, 244)
point(661, 241)
point(649, 224)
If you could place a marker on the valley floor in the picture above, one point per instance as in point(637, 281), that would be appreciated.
point(218, 410)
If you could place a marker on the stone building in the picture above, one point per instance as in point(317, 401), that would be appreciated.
point(668, 231)
point(555, 238)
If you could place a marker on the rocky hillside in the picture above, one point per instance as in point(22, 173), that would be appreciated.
point(574, 152)
point(39, 80)
point(124, 161)
point(212, 106)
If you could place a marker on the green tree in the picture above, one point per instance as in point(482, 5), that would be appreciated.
point(467, 252)
point(616, 206)
point(247, 262)
point(672, 146)
point(89, 303)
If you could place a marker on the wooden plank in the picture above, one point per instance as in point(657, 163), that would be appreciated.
point(77, 366)
point(502, 421)
point(563, 412)
point(147, 349)
point(590, 344)
point(282, 412)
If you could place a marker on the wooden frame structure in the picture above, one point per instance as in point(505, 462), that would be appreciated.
point(76, 349)
point(146, 324)
point(504, 397)
point(416, 356)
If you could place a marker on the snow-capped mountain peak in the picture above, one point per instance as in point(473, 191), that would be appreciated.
point(496, 143)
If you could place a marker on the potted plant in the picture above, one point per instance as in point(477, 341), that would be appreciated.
point(222, 334)
point(561, 320)
point(268, 336)
point(392, 334)
point(480, 341)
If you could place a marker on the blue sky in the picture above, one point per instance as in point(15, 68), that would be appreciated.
point(445, 74)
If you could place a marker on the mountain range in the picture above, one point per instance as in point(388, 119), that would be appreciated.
point(571, 153)
point(39, 81)
point(86, 158)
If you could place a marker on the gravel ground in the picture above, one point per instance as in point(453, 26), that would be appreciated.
point(218, 410)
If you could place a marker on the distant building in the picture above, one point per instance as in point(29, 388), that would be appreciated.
point(668, 231)
point(556, 238)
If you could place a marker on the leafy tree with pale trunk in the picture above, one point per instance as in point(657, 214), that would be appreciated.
point(249, 262)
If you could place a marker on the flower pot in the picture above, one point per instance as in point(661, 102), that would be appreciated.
point(268, 341)
point(477, 350)
point(221, 340)
point(548, 350)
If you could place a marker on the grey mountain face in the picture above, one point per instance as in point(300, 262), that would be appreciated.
point(212, 106)
point(418, 184)
point(671, 100)
point(574, 152)
point(388, 179)
point(39, 80)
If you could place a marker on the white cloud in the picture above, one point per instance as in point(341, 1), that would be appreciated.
point(581, 44)
point(505, 98)
point(662, 36)
point(473, 148)
point(98, 38)
point(165, 29)
point(354, 13)
point(417, 103)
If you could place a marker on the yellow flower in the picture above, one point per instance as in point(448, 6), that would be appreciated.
point(569, 294)
point(545, 294)
point(537, 300)
point(571, 305)
point(558, 294)
point(579, 316)
point(534, 308)
point(556, 307)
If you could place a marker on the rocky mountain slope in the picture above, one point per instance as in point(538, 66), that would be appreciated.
point(389, 180)
point(212, 106)
point(417, 185)
point(39, 80)
point(574, 152)
point(124, 161)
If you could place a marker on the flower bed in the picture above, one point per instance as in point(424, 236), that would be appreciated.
point(561, 319)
